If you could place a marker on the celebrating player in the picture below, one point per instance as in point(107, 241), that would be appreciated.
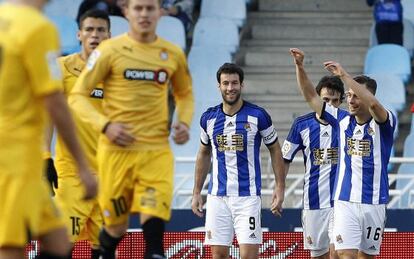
point(365, 137)
point(232, 133)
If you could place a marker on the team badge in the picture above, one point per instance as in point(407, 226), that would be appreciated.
point(247, 127)
point(286, 148)
point(309, 240)
point(339, 239)
point(371, 131)
point(164, 55)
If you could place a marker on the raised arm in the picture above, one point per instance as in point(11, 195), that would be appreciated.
point(280, 176)
point(377, 111)
point(202, 167)
point(305, 85)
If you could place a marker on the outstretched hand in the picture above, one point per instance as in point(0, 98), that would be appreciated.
point(298, 56)
point(334, 67)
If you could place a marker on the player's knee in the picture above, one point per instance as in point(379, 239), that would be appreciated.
point(56, 243)
point(347, 254)
point(320, 253)
point(117, 230)
point(153, 234)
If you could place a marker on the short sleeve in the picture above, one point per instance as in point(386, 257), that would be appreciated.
point(266, 128)
point(205, 140)
point(40, 56)
point(293, 142)
point(389, 125)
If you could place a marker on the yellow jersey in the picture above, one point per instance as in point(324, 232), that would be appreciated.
point(71, 67)
point(136, 77)
point(28, 71)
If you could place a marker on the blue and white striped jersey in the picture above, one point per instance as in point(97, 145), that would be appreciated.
point(235, 142)
point(364, 153)
point(319, 146)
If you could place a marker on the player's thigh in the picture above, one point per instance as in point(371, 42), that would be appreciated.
point(153, 177)
point(373, 228)
point(347, 226)
point(249, 251)
point(219, 252)
point(246, 212)
point(93, 226)
point(219, 223)
point(316, 229)
point(115, 179)
point(75, 210)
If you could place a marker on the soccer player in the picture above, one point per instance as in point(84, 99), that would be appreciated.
point(83, 218)
point(231, 134)
point(30, 87)
point(365, 137)
point(318, 142)
point(135, 161)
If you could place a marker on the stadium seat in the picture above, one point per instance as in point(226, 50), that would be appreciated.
point(172, 29)
point(408, 36)
point(119, 25)
point(388, 58)
point(68, 29)
point(213, 32)
point(228, 9)
point(408, 7)
point(63, 8)
point(406, 168)
point(391, 90)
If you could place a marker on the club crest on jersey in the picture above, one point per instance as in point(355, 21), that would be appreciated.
point(339, 239)
point(309, 240)
point(286, 148)
point(247, 127)
point(97, 93)
point(371, 131)
point(160, 76)
point(164, 55)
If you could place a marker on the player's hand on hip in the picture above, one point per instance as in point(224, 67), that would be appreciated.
point(89, 182)
point(119, 134)
point(180, 132)
point(277, 201)
point(334, 67)
point(298, 56)
point(197, 205)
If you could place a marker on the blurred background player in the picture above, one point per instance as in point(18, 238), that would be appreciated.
point(231, 134)
point(135, 161)
point(83, 219)
point(365, 137)
point(30, 86)
point(319, 144)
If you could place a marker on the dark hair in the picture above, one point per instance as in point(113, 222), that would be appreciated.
point(159, 2)
point(230, 68)
point(333, 83)
point(95, 13)
point(369, 83)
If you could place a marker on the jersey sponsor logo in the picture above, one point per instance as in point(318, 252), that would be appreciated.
point(232, 143)
point(325, 135)
point(359, 132)
point(328, 156)
point(97, 93)
point(357, 147)
point(92, 59)
point(230, 124)
point(160, 76)
point(270, 136)
point(52, 63)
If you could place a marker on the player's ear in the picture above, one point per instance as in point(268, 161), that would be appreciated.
point(78, 35)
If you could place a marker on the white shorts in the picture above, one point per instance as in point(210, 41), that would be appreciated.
point(226, 215)
point(359, 226)
point(317, 230)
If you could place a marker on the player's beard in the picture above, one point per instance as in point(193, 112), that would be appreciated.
point(231, 102)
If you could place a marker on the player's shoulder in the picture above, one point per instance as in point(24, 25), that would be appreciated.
point(305, 118)
point(72, 64)
point(169, 46)
point(254, 110)
point(213, 110)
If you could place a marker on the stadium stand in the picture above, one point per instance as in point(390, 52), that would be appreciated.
point(172, 29)
point(63, 8)
point(228, 9)
point(408, 7)
point(67, 30)
point(119, 25)
point(216, 33)
point(388, 58)
point(408, 36)
point(390, 90)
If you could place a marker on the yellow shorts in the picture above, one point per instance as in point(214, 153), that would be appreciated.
point(135, 181)
point(83, 219)
point(26, 210)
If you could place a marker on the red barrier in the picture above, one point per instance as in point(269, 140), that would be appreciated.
point(189, 245)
